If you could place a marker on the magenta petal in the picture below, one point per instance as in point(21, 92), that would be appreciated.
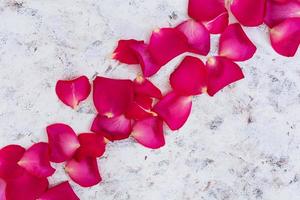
point(235, 45)
point(218, 24)
point(145, 87)
point(62, 191)
point(84, 172)
point(202, 10)
point(72, 92)
point(285, 37)
point(2, 189)
point(124, 53)
point(197, 35)
point(63, 142)
point(166, 44)
point(221, 72)
point(174, 109)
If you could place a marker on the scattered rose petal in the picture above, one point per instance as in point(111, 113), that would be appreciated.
point(2, 189)
point(218, 24)
point(72, 92)
point(63, 142)
point(62, 191)
point(143, 86)
point(144, 101)
point(124, 53)
point(235, 45)
point(137, 112)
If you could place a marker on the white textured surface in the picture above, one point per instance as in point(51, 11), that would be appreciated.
point(241, 144)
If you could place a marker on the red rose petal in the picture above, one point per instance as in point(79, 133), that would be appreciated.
point(174, 109)
point(285, 37)
point(166, 44)
point(190, 77)
point(62, 191)
point(113, 128)
point(143, 86)
point(72, 92)
point(221, 72)
point(218, 24)
point(111, 96)
point(235, 45)
point(84, 172)
point(63, 142)
point(137, 112)
point(197, 35)
point(36, 160)
point(249, 12)
point(2, 189)
point(124, 53)
point(149, 132)
point(144, 101)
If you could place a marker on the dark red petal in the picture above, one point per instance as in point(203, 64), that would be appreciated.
point(277, 12)
point(36, 160)
point(62, 191)
point(149, 132)
point(63, 142)
point(190, 77)
point(285, 37)
point(166, 44)
point(111, 96)
point(235, 45)
point(221, 72)
point(113, 128)
point(218, 24)
point(2, 189)
point(143, 86)
point(72, 92)
point(197, 35)
point(202, 10)
point(249, 12)
point(124, 53)
point(174, 109)
point(84, 172)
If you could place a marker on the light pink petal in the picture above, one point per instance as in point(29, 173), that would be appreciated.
point(285, 37)
point(166, 44)
point(36, 160)
point(63, 142)
point(72, 92)
point(221, 73)
point(2, 189)
point(84, 172)
point(113, 128)
point(145, 87)
point(249, 12)
point(277, 12)
point(149, 132)
point(218, 24)
point(174, 109)
point(235, 45)
point(62, 191)
point(112, 96)
point(197, 35)
point(190, 77)
point(124, 53)
point(203, 10)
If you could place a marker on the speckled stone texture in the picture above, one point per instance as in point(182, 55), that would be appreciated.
point(243, 144)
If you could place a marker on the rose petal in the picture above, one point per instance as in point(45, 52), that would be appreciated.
point(197, 35)
point(84, 172)
point(62, 191)
point(36, 160)
point(63, 142)
point(124, 53)
point(249, 12)
point(143, 101)
point(72, 92)
point(2, 189)
point(202, 10)
point(235, 45)
point(190, 77)
point(174, 109)
point(221, 72)
point(111, 96)
point(218, 24)
point(137, 112)
point(166, 44)
point(113, 128)
point(149, 132)
point(285, 37)
point(143, 86)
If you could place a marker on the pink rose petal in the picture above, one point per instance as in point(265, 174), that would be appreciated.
point(145, 87)
point(2, 189)
point(124, 53)
point(62, 191)
point(218, 24)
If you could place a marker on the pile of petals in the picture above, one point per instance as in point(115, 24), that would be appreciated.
point(137, 108)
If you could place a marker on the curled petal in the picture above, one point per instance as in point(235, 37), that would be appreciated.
point(145, 87)
point(149, 132)
point(62, 191)
point(249, 12)
point(174, 109)
point(72, 92)
point(202, 10)
point(63, 142)
point(2, 189)
point(235, 45)
point(285, 37)
point(190, 77)
point(124, 53)
point(221, 72)
point(84, 172)
point(113, 128)
point(36, 160)
point(218, 24)
point(166, 44)
point(111, 96)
